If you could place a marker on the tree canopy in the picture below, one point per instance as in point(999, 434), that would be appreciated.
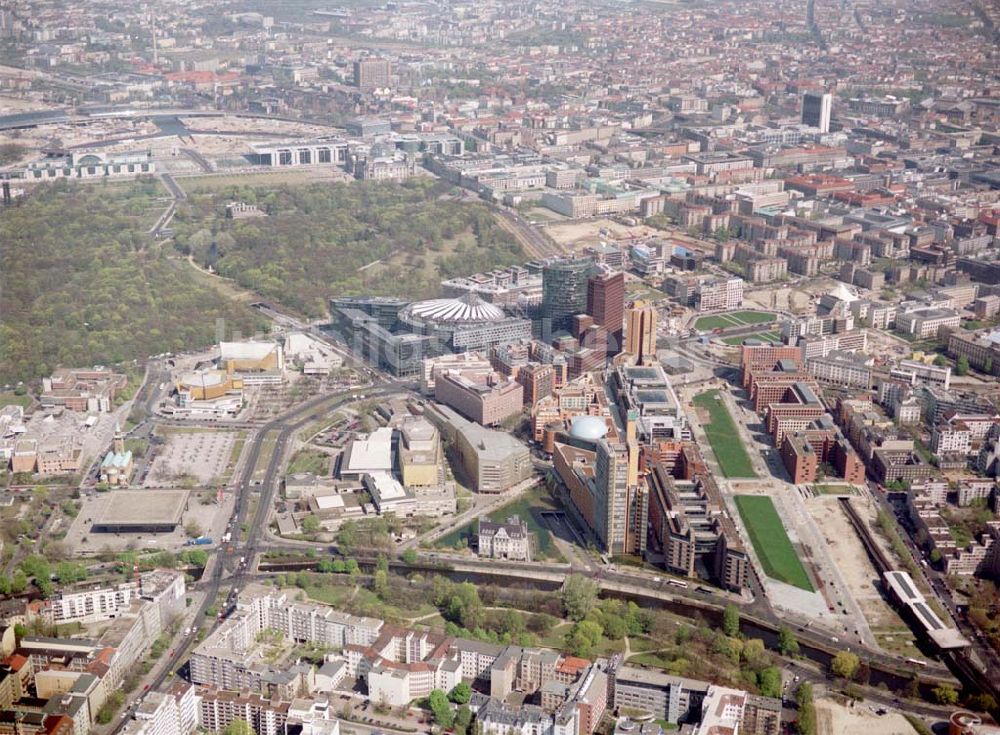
point(377, 238)
point(578, 595)
point(81, 283)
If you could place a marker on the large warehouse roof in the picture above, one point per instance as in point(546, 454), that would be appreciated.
point(140, 511)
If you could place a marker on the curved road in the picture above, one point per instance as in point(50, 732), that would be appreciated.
point(226, 566)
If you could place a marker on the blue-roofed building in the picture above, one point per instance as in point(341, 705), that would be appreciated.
point(116, 468)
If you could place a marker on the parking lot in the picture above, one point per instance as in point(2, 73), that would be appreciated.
point(192, 457)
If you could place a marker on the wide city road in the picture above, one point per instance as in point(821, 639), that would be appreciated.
point(230, 563)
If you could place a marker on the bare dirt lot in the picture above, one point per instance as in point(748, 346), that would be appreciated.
point(579, 234)
point(781, 298)
point(254, 125)
point(836, 719)
point(857, 570)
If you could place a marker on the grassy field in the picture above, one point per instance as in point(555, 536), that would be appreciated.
point(529, 507)
point(11, 399)
point(735, 319)
point(310, 460)
point(772, 337)
point(834, 490)
point(214, 182)
point(774, 549)
point(724, 436)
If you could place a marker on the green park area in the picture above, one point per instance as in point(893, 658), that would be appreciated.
point(529, 507)
point(83, 283)
point(771, 542)
point(118, 295)
point(731, 320)
point(343, 239)
point(724, 436)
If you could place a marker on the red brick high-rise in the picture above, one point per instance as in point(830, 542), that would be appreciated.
point(606, 303)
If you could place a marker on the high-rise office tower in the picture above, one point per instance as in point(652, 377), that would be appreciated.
point(606, 303)
point(564, 293)
point(611, 514)
point(640, 332)
point(816, 110)
point(621, 507)
point(372, 73)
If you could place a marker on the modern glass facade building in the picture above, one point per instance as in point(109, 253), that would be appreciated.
point(564, 293)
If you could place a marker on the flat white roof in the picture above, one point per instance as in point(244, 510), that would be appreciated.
point(384, 487)
point(373, 454)
point(329, 502)
point(944, 636)
point(246, 350)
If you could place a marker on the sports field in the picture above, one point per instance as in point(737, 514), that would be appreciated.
point(772, 337)
point(735, 319)
point(773, 547)
point(724, 436)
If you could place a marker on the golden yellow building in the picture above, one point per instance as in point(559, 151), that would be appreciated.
point(207, 385)
point(420, 453)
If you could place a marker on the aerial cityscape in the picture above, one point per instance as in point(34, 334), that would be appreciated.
point(500, 367)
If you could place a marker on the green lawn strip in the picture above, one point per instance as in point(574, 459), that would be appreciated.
point(774, 548)
point(752, 317)
point(735, 319)
point(724, 437)
point(12, 399)
point(712, 322)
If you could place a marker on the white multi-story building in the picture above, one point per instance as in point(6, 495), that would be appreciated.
point(404, 664)
point(90, 606)
point(225, 659)
point(720, 295)
point(842, 368)
point(172, 713)
point(330, 152)
point(927, 322)
point(508, 540)
point(104, 603)
point(914, 372)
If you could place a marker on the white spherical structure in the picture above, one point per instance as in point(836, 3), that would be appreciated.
point(589, 428)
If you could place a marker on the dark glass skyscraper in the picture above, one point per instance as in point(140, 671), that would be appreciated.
point(606, 303)
point(564, 292)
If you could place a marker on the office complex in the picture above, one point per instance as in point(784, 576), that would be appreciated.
point(487, 400)
point(397, 336)
point(688, 523)
point(611, 496)
point(372, 73)
point(640, 332)
point(816, 110)
point(491, 460)
point(606, 304)
point(82, 390)
point(463, 324)
point(564, 293)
